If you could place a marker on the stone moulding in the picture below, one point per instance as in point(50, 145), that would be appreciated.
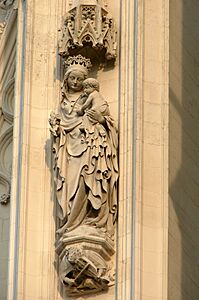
point(5, 169)
point(88, 23)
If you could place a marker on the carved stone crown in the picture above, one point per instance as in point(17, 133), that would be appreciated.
point(79, 62)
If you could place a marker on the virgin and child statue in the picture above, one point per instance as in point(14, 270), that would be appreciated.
point(85, 143)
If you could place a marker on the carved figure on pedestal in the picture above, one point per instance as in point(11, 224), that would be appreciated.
point(86, 167)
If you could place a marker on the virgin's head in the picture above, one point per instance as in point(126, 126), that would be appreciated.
point(73, 79)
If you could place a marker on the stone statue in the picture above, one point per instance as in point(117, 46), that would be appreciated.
point(85, 145)
point(86, 168)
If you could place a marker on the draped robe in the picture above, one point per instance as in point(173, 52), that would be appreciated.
point(86, 169)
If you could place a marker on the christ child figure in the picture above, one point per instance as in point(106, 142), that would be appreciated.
point(94, 102)
point(95, 99)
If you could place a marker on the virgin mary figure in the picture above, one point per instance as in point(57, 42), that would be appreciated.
point(86, 169)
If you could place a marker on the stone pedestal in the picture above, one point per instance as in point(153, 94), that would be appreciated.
point(85, 261)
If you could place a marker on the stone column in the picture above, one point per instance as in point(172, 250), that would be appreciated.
point(127, 151)
point(151, 208)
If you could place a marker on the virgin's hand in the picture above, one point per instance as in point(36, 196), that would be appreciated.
point(96, 115)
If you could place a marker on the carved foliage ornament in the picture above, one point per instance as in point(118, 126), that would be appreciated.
point(5, 4)
point(5, 183)
point(5, 198)
point(88, 23)
point(2, 26)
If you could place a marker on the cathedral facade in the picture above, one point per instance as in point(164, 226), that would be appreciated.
point(99, 149)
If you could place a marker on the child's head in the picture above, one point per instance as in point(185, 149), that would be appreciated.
point(90, 85)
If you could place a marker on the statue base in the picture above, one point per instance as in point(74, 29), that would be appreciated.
point(85, 261)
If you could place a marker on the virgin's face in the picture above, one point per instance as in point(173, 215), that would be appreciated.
point(75, 80)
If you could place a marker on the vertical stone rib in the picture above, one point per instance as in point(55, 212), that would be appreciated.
point(126, 152)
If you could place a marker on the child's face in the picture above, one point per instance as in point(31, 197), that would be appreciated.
point(88, 89)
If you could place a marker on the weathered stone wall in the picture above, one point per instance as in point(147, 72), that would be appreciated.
point(136, 90)
point(184, 151)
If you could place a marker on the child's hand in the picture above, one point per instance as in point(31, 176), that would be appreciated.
point(95, 115)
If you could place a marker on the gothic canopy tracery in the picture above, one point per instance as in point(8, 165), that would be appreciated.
point(88, 24)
